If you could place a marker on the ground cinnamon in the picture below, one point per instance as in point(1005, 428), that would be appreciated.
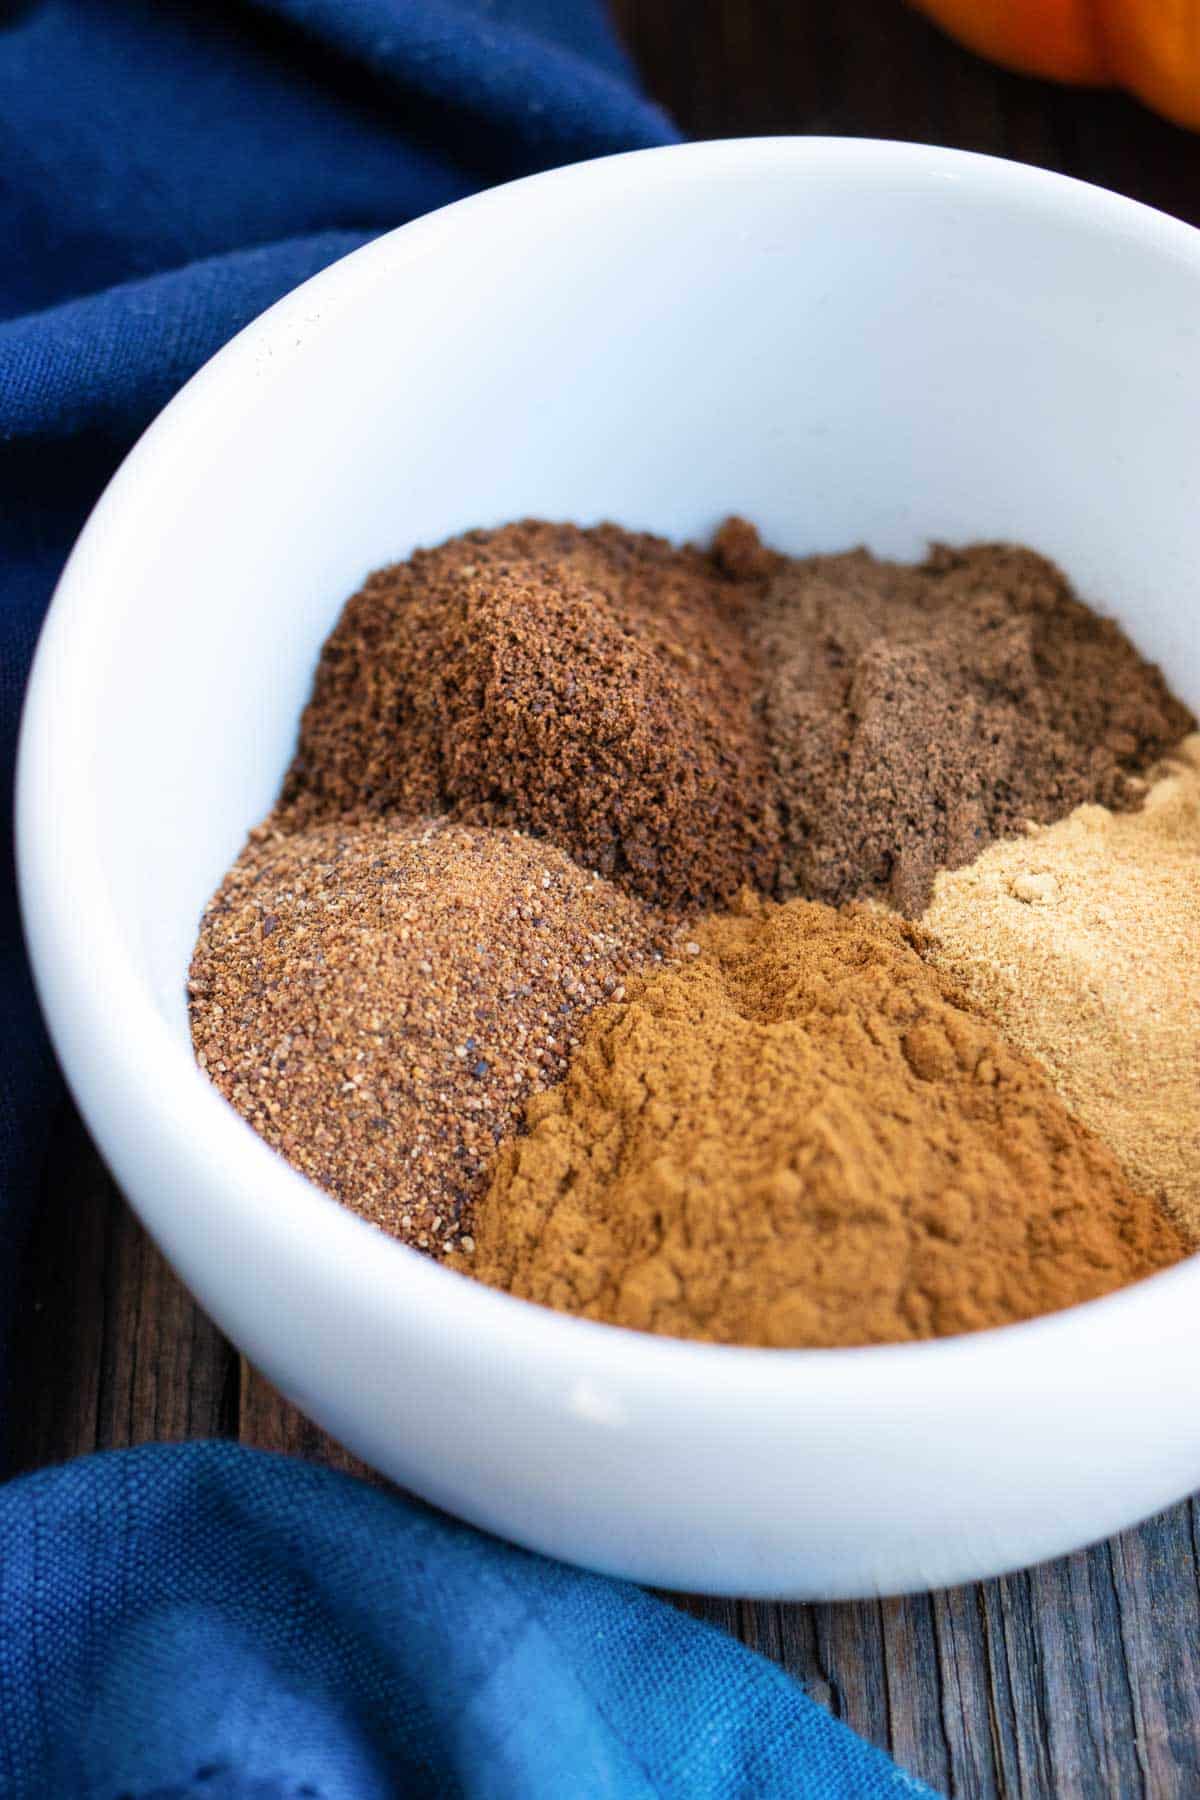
point(800, 1135)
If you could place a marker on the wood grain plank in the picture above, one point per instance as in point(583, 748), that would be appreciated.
point(915, 1677)
point(1159, 1624)
point(1085, 1694)
point(271, 1422)
point(58, 1340)
point(875, 68)
point(851, 1648)
point(110, 1349)
point(976, 1717)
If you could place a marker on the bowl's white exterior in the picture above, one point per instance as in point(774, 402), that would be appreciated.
point(846, 341)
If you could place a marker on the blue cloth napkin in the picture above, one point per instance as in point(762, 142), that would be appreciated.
point(203, 1620)
point(207, 1622)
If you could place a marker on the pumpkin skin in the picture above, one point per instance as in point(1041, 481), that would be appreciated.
point(1151, 47)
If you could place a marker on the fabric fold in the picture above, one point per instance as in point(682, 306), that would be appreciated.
point(528, 85)
point(111, 361)
point(205, 1620)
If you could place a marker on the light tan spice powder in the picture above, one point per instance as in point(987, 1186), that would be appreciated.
point(1082, 940)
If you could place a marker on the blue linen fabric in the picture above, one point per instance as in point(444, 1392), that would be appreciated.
point(207, 1622)
point(204, 1620)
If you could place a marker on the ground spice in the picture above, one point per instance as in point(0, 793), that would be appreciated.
point(784, 1125)
point(379, 999)
point(1082, 940)
point(800, 1136)
point(917, 713)
point(593, 687)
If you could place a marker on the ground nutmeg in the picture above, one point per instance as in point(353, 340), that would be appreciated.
point(378, 999)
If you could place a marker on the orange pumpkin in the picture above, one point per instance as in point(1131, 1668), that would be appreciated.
point(1151, 47)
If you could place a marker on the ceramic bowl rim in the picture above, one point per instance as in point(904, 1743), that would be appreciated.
point(77, 924)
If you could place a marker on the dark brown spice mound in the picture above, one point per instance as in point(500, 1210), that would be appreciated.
point(379, 999)
point(596, 688)
point(917, 713)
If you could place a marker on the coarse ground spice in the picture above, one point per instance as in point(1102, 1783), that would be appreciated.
point(917, 713)
point(595, 688)
point(379, 999)
point(1082, 940)
point(801, 1136)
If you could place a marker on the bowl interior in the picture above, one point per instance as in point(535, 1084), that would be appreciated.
point(879, 347)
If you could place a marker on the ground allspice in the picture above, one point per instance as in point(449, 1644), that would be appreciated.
point(918, 712)
point(801, 1135)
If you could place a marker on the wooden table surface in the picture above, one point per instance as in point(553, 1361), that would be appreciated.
point(1081, 1677)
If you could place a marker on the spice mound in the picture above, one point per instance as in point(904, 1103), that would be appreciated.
point(575, 950)
point(801, 1136)
point(378, 999)
point(596, 688)
point(916, 713)
point(1082, 940)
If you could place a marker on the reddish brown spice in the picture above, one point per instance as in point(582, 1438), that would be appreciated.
point(379, 1000)
point(596, 688)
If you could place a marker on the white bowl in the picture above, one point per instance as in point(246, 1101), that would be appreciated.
point(846, 341)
